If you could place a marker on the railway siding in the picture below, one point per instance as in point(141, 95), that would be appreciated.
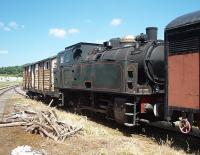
point(2, 105)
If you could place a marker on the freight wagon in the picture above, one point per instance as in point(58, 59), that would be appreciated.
point(38, 78)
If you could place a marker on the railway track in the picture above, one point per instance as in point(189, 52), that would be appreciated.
point(5, 89)
point(18, 92)
point(8, 88)
point(2, 100)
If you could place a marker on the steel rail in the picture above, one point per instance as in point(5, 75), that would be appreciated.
point(5, 89)
point(19, 92)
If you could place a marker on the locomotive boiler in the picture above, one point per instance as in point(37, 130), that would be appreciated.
point(122, 78)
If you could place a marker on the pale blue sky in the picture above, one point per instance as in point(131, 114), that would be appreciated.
point(31, 30)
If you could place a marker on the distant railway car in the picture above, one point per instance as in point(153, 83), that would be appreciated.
point(182, 40)
point(39, 77)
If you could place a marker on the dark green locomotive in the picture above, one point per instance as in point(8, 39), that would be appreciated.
point(123, 78)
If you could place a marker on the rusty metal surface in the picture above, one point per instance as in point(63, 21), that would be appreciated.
point(183, 82)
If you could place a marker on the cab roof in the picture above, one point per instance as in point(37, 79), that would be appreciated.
point(79, 44)
point(187, 19)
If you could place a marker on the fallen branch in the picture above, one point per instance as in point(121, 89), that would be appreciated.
point(49, 134)
point(70, 133)
point(12, 124)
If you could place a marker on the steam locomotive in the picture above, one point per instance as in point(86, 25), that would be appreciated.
point(123, 78)
point(129, 80)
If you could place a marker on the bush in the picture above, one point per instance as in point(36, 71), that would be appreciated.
point(12, 70)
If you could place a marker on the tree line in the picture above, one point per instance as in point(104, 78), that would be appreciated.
point(11, 70)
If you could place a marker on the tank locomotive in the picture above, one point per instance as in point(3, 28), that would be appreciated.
point(123, 79)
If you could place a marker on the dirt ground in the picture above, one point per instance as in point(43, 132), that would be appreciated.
point(96, 138)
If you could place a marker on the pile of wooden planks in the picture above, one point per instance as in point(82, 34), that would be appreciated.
point(44, 122)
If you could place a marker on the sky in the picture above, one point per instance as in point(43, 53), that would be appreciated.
point(31, 30)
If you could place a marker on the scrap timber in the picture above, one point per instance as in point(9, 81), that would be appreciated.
point(44, 122)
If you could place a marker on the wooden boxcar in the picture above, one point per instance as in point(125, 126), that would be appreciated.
point(182, 38)
point(39, 77)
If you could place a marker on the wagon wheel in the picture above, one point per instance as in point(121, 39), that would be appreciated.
point(185, 126)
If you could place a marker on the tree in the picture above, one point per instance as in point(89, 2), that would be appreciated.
point(12, 70)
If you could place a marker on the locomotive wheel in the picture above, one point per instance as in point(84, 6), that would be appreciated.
point(74, 106)
point(198, 123)
point(185, 126)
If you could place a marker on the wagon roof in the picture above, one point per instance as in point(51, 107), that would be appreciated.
point(187, 19)
point(28, 64)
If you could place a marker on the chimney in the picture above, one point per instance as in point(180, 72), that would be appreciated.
point(151, 33)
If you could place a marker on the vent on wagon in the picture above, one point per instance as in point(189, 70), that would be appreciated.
point(183, 45)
